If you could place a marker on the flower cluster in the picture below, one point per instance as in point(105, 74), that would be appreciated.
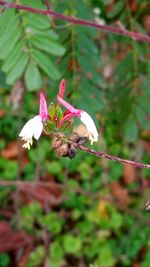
point(56, 118)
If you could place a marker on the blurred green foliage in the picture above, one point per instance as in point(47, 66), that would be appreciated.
point(87, 221)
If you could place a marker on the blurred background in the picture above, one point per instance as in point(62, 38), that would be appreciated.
point(57, 212)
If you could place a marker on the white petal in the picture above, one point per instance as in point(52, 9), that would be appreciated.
point(38, 129)
point(28, 130)
point(33, 128)
point(90, 125)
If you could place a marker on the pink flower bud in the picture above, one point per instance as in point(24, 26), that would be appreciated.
point(43, 110)
point(62, 88)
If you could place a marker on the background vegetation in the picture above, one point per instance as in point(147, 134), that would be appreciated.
point(87, 211)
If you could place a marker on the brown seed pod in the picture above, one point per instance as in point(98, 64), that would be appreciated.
point(74, 137)
point(57, 141)
point(68, 149)
point(62, 151)
point(75, 140)
point(147, 205)
point(80, 140)
point(72, 151)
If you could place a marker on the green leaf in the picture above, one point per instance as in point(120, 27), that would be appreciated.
point(86, 45)
point(143, 102)
point(46, 33)
point(7, 49)
point(10, 172)
point(13, 30)
point(116, 220)
point(124, 68)
point(13, 58)
point(26, 31)
point(131, 130)
point(46, 65)
point(141, 118)
point(146, 260)
point(7, 16)
point(91, 100)
point(72, 244)
point(48, 45)
point(117, 8)
point(56, 250)
point(18, 69)
point(53, 167)
point(4, 260)
point(106, 257)
point(33, 77)
point(36, 257)
point(37, 21)
point(116, 171)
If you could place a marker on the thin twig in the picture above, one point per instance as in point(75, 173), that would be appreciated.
point(114, 158)
point(22, 184)
point(4, 8)
point(48, 184)
point(77, 21)
point(47, 4)
point(34, 183)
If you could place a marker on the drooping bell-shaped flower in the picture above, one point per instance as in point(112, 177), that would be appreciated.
point(34, 127)
point(82, 115)
point(90, 125)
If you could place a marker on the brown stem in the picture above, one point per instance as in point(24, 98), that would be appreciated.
point(34, 183)
point(77, 21)
point(114, 158)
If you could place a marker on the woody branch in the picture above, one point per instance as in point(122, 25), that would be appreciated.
point(77, 21)
point(114, 158)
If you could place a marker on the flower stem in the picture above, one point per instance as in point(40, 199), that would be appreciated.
point(114, 158)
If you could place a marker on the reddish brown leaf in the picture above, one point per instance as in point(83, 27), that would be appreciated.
point(10, 240)
point(136, 264)
point(7, 214)
point(146, 23)
point(133, 4)
point(4, 227)
point(48, 177)
point(23, 260)
point(120, 193)
point(51, 196)
point(73, 65)
point(2, 113)
point(146, 146)
point(12, 151)
point(129, 174)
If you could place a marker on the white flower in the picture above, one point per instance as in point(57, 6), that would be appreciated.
point(33, 128)
point(90, 125)
point(97, 10)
